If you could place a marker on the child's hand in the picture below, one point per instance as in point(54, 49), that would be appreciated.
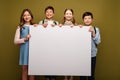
point(44, 25)
point(52, 25)
point(91, 29)
point(80, 26)
point(27, 37)
point(35, 25)
point(60, 25)
point(72, 25)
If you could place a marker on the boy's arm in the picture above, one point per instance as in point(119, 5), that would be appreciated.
point(97, 38)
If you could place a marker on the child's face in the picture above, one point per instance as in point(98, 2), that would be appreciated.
point(49, 14)
point(87, 20)
point(68, 15)
point(27, 16)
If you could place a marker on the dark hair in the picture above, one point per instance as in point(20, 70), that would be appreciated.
point(22, 21)
point(73, 21)
point(87, 14)
point(49, 7)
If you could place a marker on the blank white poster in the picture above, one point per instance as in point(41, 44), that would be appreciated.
point(60, 51)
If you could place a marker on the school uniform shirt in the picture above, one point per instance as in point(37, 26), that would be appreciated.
point(49, 22)
point(94, 42)
point(24, 46)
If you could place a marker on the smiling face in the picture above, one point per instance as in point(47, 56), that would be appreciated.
point(87, 20)
point(49, 14)
point(27, 17)
point(68, 15)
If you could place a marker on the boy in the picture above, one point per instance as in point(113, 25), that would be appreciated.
point(49, 13)
point(87, 18)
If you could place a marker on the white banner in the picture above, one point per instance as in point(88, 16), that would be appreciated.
point(60, 51)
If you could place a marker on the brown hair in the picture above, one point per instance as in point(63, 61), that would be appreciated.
point(22, 21)
point(73, 20)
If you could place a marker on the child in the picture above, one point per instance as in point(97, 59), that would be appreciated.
point(22, 37)
point(95, 40)
point(69, 21)
point(68, 18)
point(49, 13)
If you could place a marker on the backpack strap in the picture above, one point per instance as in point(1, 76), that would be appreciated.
point(95, 33)
point(95, 30)
point(43, 21)
point(55, 22)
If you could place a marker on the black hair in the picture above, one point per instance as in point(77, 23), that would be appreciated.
point(87, 14)
point(49, 7)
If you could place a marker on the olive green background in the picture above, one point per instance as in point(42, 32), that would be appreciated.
point(106, 17)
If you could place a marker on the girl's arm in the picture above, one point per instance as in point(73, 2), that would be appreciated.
point(17, 39)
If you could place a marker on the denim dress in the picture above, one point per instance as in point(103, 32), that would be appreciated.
point(24, 47)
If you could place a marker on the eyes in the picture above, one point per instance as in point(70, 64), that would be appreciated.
point(26, 14)
point(68, 12)
point(87, 18)
point(49, 11)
